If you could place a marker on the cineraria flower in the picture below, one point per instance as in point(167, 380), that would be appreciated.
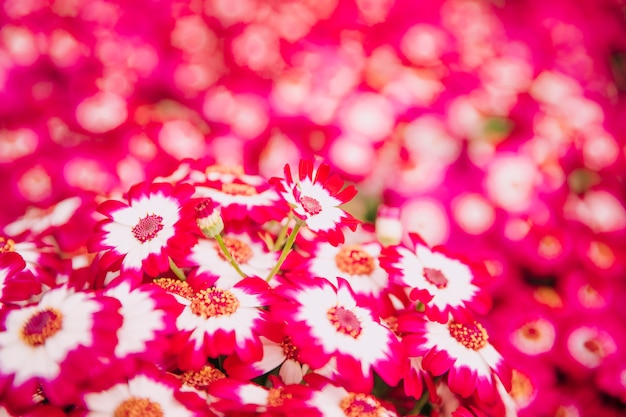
point(315, 197)
point(356, 263)
point(444, 284)
point(248, 399)
point(148, 393)
point(460, 349)
point(333, 400)
point(223, 321)
point(142, 234)
point(278, 352)
point(48, 344)
point(325, 322)
point(246, 248)
point(149, 315)
point(243, 197)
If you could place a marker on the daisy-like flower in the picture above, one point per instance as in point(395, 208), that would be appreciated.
point(460, 349)
point(246, 248)
point(247, 399)
point(147, 393)
point(142, 234)
point(315, 197)
point(333, 400)
point(149, 315)
point(443, 283)
point(326, 322)
point(223, 321)
point(278, 352)
point(242, 197)
point(358, 264)
point(48, 344)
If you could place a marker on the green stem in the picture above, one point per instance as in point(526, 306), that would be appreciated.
point(286, 250)
point(283, 233)
point(177, 271)
point(220, 241)
point(419, 404)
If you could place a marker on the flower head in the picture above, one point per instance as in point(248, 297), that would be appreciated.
point(315, 196)
point(140, 235)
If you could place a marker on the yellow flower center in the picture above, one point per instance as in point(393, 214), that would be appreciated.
point(201, 379)
point(7, 245)
point(290, 351)
point(472, 336)
point(238, 189)
point(239, 250)
point(277, 396)
point(41, 326)
point(353, 260)
point(236, 170)
point(361, 405)
point(138, 407)
point(214, 302)
point(175, 286)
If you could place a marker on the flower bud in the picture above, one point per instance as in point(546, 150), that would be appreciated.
point(209, 218)
point(388, 225)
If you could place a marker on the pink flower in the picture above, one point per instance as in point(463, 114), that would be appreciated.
point(48, 344)
point(315, 197)
point(325, 322)
point(462, 350)
point(142, 234)
point(445, 284)
point(223, 321)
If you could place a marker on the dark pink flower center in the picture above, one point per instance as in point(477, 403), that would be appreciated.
point(436, 277)
point(345, 321)
point(148, 227)
point(310, 205)
point(472, 336)
point(42, 325)
point(289, 349)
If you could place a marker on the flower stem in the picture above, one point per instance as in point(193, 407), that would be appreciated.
point(233, 262)
point(177, 271)
point(419, 404)
point(283, 233)
point(286, 250)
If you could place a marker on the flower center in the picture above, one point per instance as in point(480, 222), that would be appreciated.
point(7, 245)
point(236, 170)
point(290, 351)
point(41, 326)
point(345, 321)
point(353, 260)
point(550, 247)
point(138, 407)
point(310, 205)
point(277, 396)
point(239, 250)
point(522, 388)
point(436, 277)
point(148, 227)
point(361, 405)
point(201, 379)
point(238, 189)
point(472, 336)
point(214, 302)
point(175, 286)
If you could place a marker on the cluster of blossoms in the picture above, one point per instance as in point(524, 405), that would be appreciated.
point(213, 292)
point(488, 134)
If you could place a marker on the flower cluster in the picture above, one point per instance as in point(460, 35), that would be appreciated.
point(145, 142)
point(183, 305)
